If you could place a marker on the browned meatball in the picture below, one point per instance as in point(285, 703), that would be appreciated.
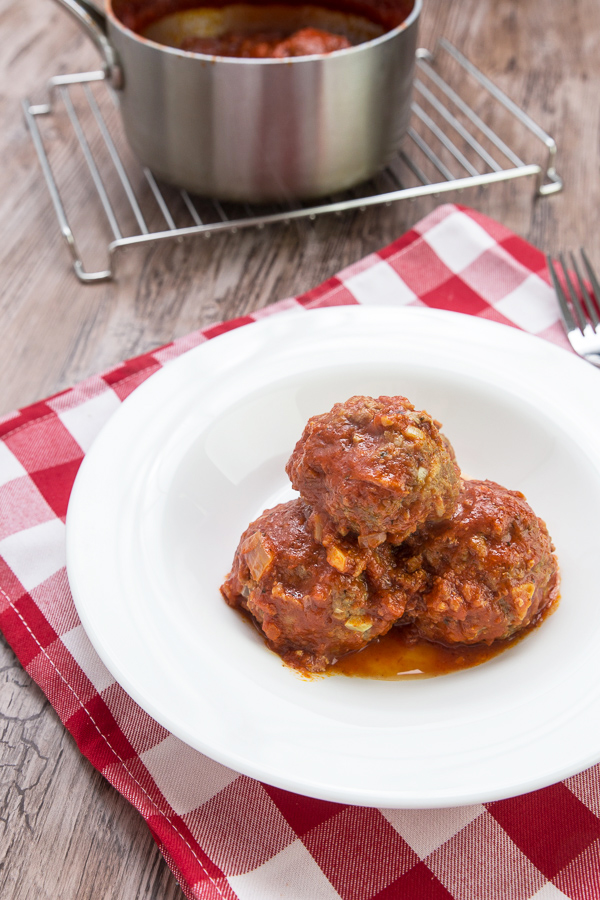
point(483, 574)
point(310, 41)
point(376, 467)
point(313, 604)
point(272, 44)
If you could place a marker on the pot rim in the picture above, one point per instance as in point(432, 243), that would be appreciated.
point(253, 61)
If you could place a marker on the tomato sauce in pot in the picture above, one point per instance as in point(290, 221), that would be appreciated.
point(138, 15)
point(260, 31)
point(269, 45)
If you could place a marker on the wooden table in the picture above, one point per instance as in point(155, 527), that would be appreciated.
point(64, 832)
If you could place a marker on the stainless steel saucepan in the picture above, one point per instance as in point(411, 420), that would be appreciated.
point(257, 129)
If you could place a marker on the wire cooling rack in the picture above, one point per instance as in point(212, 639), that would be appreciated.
point(105, 201)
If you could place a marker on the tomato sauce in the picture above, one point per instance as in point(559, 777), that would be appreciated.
point(140, 14)
point(401, 655)
point(269, 45)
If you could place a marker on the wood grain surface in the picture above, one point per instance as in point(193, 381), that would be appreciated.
point(64, 832)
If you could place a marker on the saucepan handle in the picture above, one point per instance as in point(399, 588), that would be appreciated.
point(92, 19)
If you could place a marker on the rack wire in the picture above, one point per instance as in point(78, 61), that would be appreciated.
point(451, 145)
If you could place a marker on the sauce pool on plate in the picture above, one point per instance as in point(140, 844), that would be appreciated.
point(401, 655)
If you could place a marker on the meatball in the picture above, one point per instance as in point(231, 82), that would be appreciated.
point(264, 45)
point(310, 41)
point(313, 604)
point(482, 575)
point(375, 467)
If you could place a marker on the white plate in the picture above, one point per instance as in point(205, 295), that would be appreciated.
point(199, 450)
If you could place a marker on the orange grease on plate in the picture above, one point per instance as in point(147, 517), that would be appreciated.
point(399, 655)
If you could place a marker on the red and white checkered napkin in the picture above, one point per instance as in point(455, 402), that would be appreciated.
point(223, 834)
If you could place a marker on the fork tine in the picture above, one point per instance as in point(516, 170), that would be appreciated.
point(573, 294)
point(587, 300)
point(568, 319)
point(591, 275)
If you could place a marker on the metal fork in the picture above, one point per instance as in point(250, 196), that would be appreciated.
point(580, 319)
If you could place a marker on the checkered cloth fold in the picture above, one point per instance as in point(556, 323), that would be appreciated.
point(224, 835)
